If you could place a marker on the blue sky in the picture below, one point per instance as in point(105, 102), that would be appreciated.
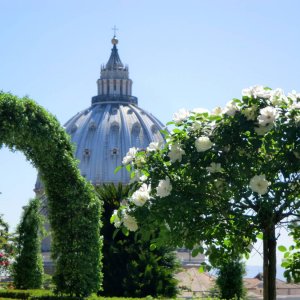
point(180, 54)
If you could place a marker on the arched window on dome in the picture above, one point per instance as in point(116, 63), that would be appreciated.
point(136, 135)
point(114, 136)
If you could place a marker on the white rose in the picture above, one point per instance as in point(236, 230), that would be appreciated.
point(130, 222)
point(295, 105)
point(259, 184)
point(200, 110)
point(175, 152)
point(140, 196)
point(153, 146)
point(294, 95)
point(257, 91)
point(217, 111)
point(262, 130)
point(277, 97)
point(129, 156)
point(267, 116)
point(196, 126)
point(181, 115)
point(250, 113)
point(230, 109)
point(203, 143)
point(116, 220)
point(214, 168)
point(143, 178)
point(164, 188)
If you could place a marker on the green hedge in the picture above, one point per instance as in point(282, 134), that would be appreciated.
point(74, 209)
point(48, 295)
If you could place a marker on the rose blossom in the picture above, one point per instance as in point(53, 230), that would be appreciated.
point(217, 111)
point(262, 130)
point(200, 110)
point(250, 113)
point(129, 156)
point(230, 109)
point(259, 184)
point(181, 115)
point(153, 146)
point(257, 91)
point(164, 188)
point(277, 97)
point(176, 152)
point(214, 168)
point(116, 220)
point(203, 143)
point(140, 196)
point(267, 115)
point(130, 222)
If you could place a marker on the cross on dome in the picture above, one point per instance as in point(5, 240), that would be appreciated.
point(115, 29)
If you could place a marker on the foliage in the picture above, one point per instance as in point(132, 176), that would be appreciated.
point(47, 295)
point(28, 266)
point(223, 177)
point(230, 280)
point(74, 209)
point(130, 268)
point(291, 261)
point(6, 247)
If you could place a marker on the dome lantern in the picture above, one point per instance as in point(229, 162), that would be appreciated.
point(114, 83)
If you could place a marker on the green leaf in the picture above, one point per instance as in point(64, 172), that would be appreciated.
point(170, 123)
point(282, 248)
point(291, 248)
point(152, 247)
point(128, 168)
point(260, 236)
point(285, 264)
point(125, 231)
point(117, 169)
point(201, 269)
point(176, 130)
point(112, 218)
point(195, 252)
point(115, 233)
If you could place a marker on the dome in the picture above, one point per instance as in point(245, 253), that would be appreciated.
point(104, 132)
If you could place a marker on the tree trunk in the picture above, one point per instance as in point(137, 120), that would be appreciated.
point(269, 269)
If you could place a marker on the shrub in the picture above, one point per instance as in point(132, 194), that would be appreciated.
point(130, 268)
point(230, 280)
point(28, 267)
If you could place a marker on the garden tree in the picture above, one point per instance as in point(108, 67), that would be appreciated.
point(130, 268)
point(6, 247)
point(28, 266)
point(74, 209)
point(230, 279)
point(222, 178)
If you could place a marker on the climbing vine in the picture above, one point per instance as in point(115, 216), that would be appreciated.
point(74, 209)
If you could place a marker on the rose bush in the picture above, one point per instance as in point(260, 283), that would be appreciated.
point(232, 174)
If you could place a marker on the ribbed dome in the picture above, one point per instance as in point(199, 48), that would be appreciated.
point(103, 134)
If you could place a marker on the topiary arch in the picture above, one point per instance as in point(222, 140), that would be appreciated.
point(74, 209)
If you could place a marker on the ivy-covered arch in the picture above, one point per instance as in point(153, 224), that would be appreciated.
point(74, 209)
